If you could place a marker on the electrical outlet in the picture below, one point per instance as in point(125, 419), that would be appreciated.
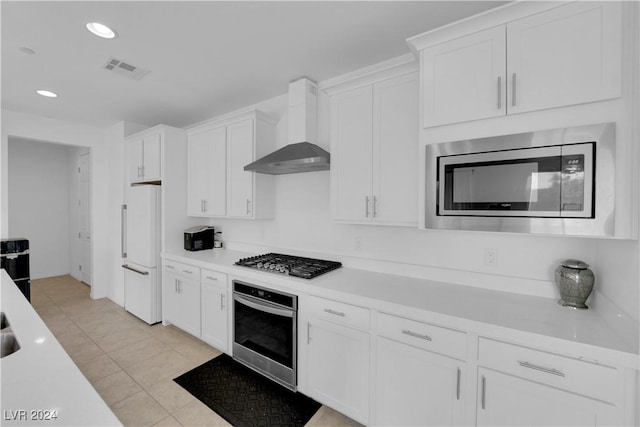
point(491, 257)
point(358, 244)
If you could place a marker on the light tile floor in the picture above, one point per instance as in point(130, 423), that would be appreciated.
point(129, 363)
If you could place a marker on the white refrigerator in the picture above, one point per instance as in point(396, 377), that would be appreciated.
point(141, 252)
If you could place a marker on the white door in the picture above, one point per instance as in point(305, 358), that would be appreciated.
point(152, 160)
point(84, 216)
point(415, 387)
point(240, 152)
point(464, 79)
point(141, 230)
point(505, 400)
point(189, 305)
point(214, 315)
point(567, 55)
point(338, 368)
point(395, 150)
point(141, 292)
point(207, 173)
point(351, 134)
point(135, 159)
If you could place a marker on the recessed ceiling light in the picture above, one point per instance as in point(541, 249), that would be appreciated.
point(47, 93)
point(101, 30)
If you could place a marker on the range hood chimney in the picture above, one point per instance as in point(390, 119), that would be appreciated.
point(301, 154)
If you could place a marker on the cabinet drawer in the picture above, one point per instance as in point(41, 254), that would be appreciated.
point(423, 335)
point(181, 269)
point(213, 277)
point(338, 312)
point(581, 377)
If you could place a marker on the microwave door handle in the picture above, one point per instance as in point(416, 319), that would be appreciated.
point(263, 307)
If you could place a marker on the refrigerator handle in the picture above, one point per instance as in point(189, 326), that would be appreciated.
point(123, 230)
point(128, 267)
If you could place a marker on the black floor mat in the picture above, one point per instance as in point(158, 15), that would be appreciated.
point(244, 397)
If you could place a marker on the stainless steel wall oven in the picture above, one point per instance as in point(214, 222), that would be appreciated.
point(265, 331)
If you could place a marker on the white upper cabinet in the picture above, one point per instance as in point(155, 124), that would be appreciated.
point(374, 146)
point(240, 145)
point(144, 156)
point(563, 56)
point(464, 79)
point(218, 184)
point(351, 137)
point(207, 172)
point(568, 55)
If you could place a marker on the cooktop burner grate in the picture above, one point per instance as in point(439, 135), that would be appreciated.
point(306, 268)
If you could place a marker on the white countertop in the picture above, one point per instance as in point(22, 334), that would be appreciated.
point(40, 376)
point(534, 321)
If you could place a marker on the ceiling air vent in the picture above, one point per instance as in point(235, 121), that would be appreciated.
point(124, 69)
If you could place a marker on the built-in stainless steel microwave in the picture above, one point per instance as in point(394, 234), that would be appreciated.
point(558, 181)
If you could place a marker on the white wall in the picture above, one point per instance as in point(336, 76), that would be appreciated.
point(32, 127)
point(39, 201)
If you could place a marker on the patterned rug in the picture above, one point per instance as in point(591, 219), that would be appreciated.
point(244, 397)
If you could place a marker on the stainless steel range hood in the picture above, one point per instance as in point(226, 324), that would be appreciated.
point(302, 154)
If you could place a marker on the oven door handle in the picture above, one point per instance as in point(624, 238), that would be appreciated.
point(263, 307)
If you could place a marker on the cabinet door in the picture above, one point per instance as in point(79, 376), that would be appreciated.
point(417, 387)
point(135, 159)
point(338, 368)
point(207, 173)
point(567, 55)
point(170, 298)
point(189, 296)
point(464, 79)
point(151, 166)
point(395, 150)
point(214, 316)
point(240, 152)
point(505, 400)
point(351, 134)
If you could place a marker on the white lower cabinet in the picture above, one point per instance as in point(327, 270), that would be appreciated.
point(520, 386)
point(505, 400)
point(181, 293)
point(215, 309)
point(414, 386)
point(338, 358)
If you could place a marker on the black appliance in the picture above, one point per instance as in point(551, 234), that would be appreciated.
point(306, 268)
point(198, 238)
point(14, 254)
point(264, 337)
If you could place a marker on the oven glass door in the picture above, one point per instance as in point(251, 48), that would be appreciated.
point(531, 182)
point(265, 329)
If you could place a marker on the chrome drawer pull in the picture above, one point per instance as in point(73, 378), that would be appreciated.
point(337, 313)
point(483, 399)
point(187, 271)
point(416, 335)
point(211, 278)
point(541, 368)
point(499, 92)
point(170, 266)
point(458, 385)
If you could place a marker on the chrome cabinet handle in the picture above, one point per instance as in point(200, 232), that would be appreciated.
point(366, 206)
point(139, 172)
point(458, 385)
point(484, 392)
point(170, 266)
point(248, 210)
point(416, 335)
point(221, 302)
point(336, 313)
point(123, 230)
point(142, 168)
point(308, 332)
point(175, 285)
point(187, 271)
point(204, 202)
point(499, 92)
point(375, 201)
point(201, 206)
point(551, 371)
point(513, 89)
point(211, 278)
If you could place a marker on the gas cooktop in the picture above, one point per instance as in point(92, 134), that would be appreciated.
point(306, 268)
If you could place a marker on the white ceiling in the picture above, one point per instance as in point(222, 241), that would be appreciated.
point(205, 57)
